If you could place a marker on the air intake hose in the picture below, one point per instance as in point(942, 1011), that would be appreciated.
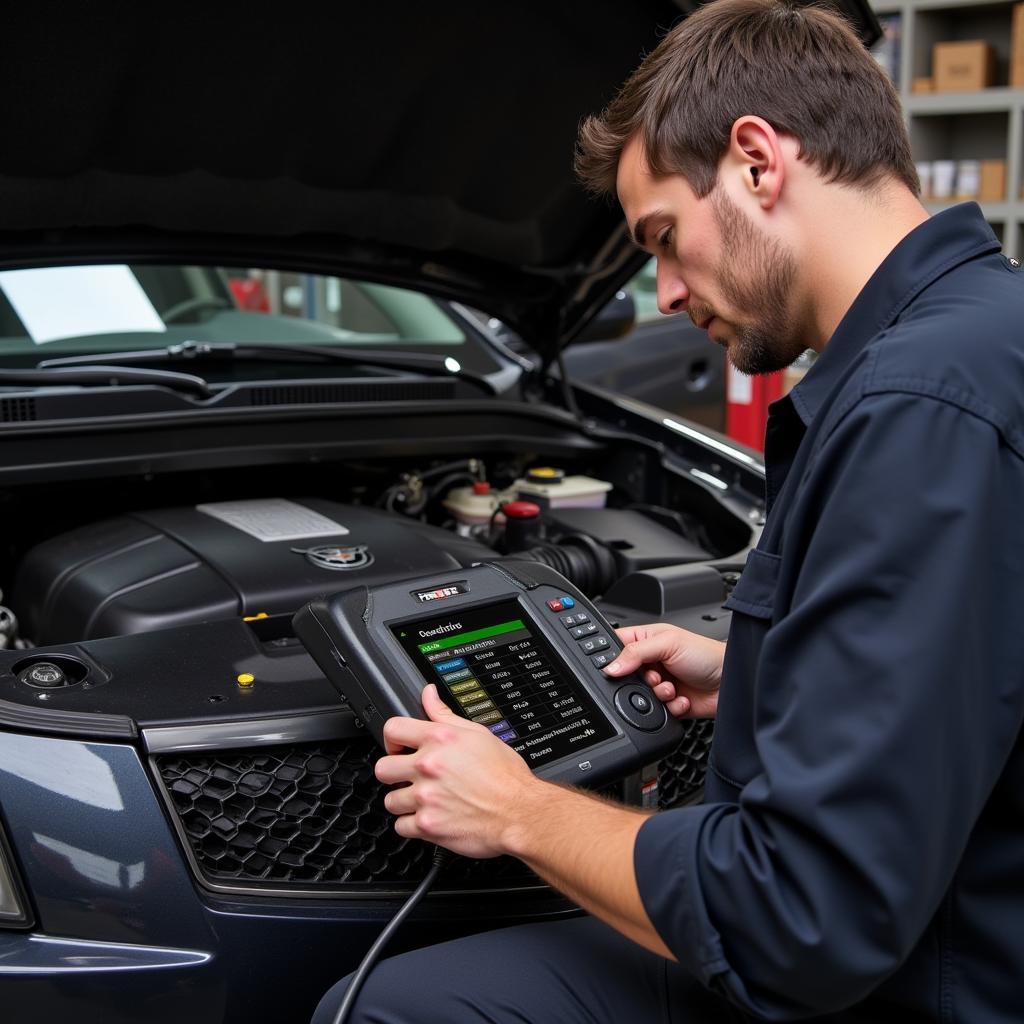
point(579, 558)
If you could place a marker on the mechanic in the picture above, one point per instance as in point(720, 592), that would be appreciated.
point(858, 853)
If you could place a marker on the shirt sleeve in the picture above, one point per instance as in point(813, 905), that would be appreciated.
point(889, 697)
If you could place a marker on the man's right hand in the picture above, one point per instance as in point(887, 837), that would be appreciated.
point(682, 668)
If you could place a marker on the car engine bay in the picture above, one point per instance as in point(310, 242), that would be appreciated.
point(167, 624)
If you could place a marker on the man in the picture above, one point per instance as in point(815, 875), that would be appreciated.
point(858, 854)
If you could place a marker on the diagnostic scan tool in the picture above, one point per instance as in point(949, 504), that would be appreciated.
point(513, 646)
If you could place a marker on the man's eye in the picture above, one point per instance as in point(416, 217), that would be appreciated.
point(665, 241)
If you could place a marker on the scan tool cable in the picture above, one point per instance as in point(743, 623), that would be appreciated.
point(440, 859)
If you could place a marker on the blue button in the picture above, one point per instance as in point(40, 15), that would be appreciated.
point(568, 602)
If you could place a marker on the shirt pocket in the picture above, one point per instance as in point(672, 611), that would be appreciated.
point(754, 593)
point(734, 759)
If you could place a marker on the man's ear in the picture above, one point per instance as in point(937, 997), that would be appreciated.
point(756, 153)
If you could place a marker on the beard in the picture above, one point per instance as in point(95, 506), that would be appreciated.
point(755, 275)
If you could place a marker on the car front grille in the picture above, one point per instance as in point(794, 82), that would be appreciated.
point(311, 818)
point(681, 774)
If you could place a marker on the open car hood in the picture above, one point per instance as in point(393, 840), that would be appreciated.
point(420, 144)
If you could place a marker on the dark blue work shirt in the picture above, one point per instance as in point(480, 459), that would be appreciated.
point(860, 852)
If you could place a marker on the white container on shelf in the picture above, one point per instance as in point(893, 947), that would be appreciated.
point(924, 174)
point(943, 178)
point(968, 179)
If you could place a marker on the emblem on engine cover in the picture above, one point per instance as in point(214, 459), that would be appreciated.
point(330, 556)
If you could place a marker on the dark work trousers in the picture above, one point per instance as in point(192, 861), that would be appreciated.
point(570, 972)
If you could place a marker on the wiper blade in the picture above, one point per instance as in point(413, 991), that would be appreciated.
point(428, 365)
point(102, 375)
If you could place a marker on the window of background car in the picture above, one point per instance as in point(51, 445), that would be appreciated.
point(643, 286)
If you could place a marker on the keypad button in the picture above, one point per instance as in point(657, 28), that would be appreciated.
point(568, 602)
point(570, 620)
point(557, 604)
point(600, 660)
point(579, 632)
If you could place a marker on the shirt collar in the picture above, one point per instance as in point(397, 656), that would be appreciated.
point(942, 242)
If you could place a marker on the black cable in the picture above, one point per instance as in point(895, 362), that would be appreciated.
point(440, 859)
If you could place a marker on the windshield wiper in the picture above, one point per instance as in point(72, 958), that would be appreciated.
point(428, 365)
point(98, 376)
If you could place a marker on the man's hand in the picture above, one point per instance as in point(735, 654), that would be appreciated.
point(463, 789)
point(682, 668)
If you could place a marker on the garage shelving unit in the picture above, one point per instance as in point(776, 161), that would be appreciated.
point(987, 124)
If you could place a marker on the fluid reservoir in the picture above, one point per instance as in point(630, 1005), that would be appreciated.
point(549, 488)
point(474, 505)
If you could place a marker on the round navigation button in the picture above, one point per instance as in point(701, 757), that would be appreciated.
point(635, 704)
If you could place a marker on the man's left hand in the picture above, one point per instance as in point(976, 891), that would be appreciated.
point(463, 787)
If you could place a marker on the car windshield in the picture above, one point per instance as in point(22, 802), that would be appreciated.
point(119, 307)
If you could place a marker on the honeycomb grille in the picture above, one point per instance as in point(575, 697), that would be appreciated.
point(17, 410)
point(681, 774)
point(312, 817)
point(304, 817)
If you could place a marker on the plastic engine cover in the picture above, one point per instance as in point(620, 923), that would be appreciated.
point(180, 566)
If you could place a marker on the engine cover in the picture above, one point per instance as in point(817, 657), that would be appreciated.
point(180, 566)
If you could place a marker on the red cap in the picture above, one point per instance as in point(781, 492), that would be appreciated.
point(481, 487)
point(521, 509)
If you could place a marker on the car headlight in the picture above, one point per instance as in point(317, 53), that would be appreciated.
point(13, 906)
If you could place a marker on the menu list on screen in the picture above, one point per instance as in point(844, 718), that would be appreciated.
point(491, 666)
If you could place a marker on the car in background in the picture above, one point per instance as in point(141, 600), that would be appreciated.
point(631, 348)
point(190, 827)
point(665, 361)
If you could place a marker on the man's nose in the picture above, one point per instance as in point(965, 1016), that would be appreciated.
point(672, 291)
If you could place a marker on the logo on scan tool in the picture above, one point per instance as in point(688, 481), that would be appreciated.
point(440, 593)
point(330, 556)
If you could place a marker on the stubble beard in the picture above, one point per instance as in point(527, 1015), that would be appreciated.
point(755, 275)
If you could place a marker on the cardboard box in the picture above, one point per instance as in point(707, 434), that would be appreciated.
point(992, 181)
point(1017, 46)
point(960, 67)
point(925, 84)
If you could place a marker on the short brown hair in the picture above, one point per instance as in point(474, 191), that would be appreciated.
point(800, 68)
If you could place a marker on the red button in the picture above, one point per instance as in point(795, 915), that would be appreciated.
point(556, 605)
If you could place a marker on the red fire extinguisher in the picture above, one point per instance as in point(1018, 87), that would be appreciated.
point(746, 404)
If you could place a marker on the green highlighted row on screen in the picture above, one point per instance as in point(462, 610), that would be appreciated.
point(474, 634)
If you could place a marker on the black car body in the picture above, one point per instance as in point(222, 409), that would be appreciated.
point(174, 842)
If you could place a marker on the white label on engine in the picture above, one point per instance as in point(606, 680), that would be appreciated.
point(270, 519)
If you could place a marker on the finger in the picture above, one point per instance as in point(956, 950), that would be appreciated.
point(436, 709)
point(628, 634)
point(665, 692)
point(400, 801)
point(406, 733)
point(395, 768)
point(406, 826)
point(679, 707)
point(652, 677)
point(648, 650)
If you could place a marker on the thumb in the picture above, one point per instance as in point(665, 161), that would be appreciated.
point(436, 709)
